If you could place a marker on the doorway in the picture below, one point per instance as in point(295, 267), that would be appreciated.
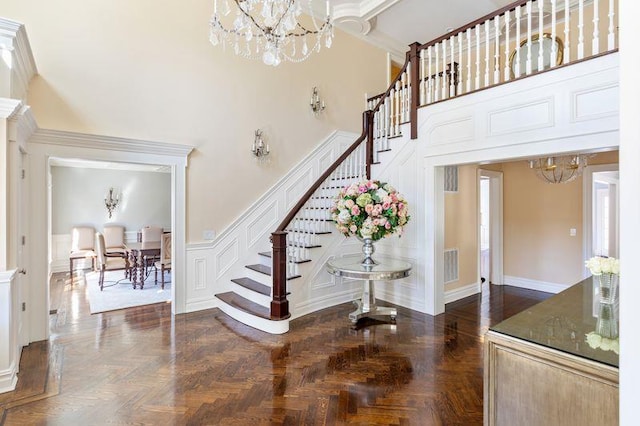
point(601, 211)
point(490, 218)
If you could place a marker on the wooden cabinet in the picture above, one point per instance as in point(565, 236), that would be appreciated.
point(529, 384)
point(540, 369)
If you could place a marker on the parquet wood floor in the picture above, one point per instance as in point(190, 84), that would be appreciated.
point(141, 366)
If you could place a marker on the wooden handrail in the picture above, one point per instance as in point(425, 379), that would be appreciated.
point(509, 7)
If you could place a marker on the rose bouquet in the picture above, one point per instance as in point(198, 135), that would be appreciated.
point(370, 209)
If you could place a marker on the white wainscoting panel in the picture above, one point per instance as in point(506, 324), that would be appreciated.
point(518, 118)
point(596, 102)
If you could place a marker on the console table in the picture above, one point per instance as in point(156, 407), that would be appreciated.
point(386, 269)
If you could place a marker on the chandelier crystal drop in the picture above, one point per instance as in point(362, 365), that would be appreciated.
point(271, 30)
point(561, 169)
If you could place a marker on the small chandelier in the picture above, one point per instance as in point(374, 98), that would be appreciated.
point(270, 29)
point(111, 201)
point(561, 169)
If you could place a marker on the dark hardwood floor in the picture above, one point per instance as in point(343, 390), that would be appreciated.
point(141, 366)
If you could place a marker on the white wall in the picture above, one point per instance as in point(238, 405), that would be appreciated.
point(629, 213)
point(78, 198)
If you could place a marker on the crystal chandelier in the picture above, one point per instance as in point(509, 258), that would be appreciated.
point(270, 29)
point(559, 169)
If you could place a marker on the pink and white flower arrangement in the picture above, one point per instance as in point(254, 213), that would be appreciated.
point(370, 209)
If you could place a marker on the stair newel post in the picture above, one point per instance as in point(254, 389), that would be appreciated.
point(279, 302)
point(367, 126)
point(414, 63)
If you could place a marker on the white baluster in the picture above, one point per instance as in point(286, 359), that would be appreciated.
point(398, 112)
point(403, 95)
point(507, 21)
point(392, 112)
point(477, 79)
point(528, 71)
point(567, 33)
point(459, 67)
point(486, 53)
point(540, 37)
point(407, 99)
point(436, 91)
point(452, 82)
point(580, 29)
point(496, 53)
point(554, 46)
point(443, 80)
point(611, 36)
point(468, 59)
point(429, 77)
point(516, 59)
point(595, 44)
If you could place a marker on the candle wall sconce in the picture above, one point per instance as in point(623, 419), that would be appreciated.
point(259, 148)
point(317, 104)
point(111, 201)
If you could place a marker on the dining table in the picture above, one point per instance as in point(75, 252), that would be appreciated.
point(136, 252)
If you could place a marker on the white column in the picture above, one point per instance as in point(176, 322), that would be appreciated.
point(9, 356)
point(629, 212)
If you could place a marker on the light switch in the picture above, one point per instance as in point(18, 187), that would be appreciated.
point(572, 232)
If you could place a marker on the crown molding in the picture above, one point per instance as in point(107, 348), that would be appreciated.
point(13, 37)
point(9, 107)
point(84, 140)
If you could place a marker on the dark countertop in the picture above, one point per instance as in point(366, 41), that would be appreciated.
point(562, 323)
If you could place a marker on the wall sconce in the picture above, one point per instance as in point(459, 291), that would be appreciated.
point(317, 105)
point(111, 201)
point(259, 148)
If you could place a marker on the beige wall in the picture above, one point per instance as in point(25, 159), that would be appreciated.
point(147, 70)
point(461, 226)
point(537, 219)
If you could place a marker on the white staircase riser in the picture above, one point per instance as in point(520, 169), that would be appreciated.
point(258, 298)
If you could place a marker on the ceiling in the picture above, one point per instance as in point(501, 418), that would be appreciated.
point(107, 165)
point(394, 24)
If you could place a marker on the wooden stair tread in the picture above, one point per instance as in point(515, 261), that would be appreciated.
point(253, 285)
point(309, 232)
point(245, 305)
point(385, 150)
point(267, 270)
point(268, 254)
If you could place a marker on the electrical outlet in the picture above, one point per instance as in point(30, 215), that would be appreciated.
point(208, 235)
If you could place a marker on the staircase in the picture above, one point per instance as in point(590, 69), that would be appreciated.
point(456, 64)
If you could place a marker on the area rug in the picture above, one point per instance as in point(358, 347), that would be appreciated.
point(118, 292)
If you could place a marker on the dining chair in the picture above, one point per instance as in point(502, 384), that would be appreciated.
point(150, 234)
point(106, 262)
point(164, 264)
point(82, 247)
point(114, 240)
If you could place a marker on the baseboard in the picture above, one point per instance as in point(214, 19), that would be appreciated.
point(461, 292)
point(8, 379)
point(201, 305)
point(547, 287)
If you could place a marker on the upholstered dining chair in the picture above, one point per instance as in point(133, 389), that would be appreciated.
point(150, 234)
point(106, 262)
point(82, 247)
point(164, 264)
point(114, 240)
